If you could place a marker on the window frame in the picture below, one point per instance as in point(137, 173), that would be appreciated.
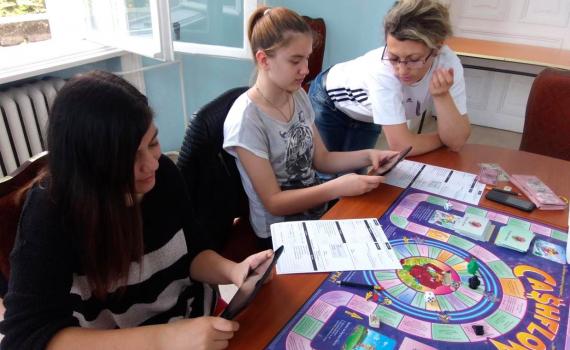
point(158, 46)
point(243, 52)
point(94, 47)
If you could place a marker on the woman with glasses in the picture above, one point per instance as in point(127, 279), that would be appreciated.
point(388, 86)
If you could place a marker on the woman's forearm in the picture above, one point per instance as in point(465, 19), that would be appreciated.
point(453, 128)
point(137, 338)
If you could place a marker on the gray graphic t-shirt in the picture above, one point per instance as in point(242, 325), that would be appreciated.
point(288, 147)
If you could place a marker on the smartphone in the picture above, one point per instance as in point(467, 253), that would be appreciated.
point(391, 163)
point(510, 200)
point(250, 286)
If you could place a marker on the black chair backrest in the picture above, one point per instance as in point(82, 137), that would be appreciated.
point(211, 173)
point(13, 191)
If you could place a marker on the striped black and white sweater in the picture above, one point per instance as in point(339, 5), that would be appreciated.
point(48, 292)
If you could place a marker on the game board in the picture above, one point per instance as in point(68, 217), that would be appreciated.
point(522, 302)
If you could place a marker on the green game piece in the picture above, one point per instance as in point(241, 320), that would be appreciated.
point(473, 266)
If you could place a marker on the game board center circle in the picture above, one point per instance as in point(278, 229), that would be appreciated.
point(425, 274)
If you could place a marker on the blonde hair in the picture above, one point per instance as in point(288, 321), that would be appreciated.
point(426, 21)
point(269, 28)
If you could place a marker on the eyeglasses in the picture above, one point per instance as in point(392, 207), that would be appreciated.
point(413, 64)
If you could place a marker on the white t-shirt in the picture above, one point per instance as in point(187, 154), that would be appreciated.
point(288, 147)
point(367, 89)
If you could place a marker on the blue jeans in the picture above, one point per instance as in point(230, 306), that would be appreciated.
point(339, 131)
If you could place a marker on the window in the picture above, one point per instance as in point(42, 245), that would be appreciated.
point(23, 23)
point(89, 30)
point(139, 26)
point(211, 27)
point(154, 27)
point(66, 47)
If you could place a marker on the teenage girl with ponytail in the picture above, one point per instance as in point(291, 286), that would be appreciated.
point(270, 130)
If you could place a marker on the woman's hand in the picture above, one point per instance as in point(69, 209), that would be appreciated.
point(354, 185)
point(251, 263)
point(201, 333)
point(380, 158)
point(441, 82)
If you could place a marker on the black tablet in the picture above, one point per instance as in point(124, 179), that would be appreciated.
point(250, 287)
point(391, 163)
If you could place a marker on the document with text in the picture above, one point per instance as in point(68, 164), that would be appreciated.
point(333, 245)
point(446, 182)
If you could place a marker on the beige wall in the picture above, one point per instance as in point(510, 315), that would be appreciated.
point(497, 99)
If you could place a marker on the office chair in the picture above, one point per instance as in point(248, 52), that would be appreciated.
point(13, 189)
point(547, 120)
point(218, 199)
point(316, 59)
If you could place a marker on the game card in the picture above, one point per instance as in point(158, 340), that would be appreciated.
point(341, 332)
point(549, 251)
point(501, 174)
point(443, 219)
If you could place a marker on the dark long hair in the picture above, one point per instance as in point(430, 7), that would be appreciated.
point(95, 127)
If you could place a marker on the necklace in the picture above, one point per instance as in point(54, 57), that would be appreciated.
point(285, 117)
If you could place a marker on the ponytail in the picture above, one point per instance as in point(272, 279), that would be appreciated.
point(270, 28)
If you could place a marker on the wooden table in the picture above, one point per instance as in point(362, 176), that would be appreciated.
point(279, 300)
point(507, 52)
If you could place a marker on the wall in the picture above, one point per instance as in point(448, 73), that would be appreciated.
point(163, 89)
point(351, 31)
point(496, 99)
point(353, 27)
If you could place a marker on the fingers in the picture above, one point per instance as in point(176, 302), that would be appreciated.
point(259, 258)
point(224, 325)
point(444, 77)
point(375, 163)
point(372, 180)
point(441, 81)
point(381, 158)
point(389, 156)
point(448, 77)
point(219, 335)
point(220, 344)
point(354, 185)
point(438, 79)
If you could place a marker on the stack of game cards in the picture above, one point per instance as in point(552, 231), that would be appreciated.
point(540, 194)
point(514, 238)
point(474, 226)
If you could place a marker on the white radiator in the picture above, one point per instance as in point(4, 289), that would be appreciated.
point(23, 121)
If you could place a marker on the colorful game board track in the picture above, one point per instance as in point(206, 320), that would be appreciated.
point(521, 301)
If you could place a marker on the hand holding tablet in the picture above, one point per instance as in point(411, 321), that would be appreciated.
point(250, 286)
point(390, 164)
